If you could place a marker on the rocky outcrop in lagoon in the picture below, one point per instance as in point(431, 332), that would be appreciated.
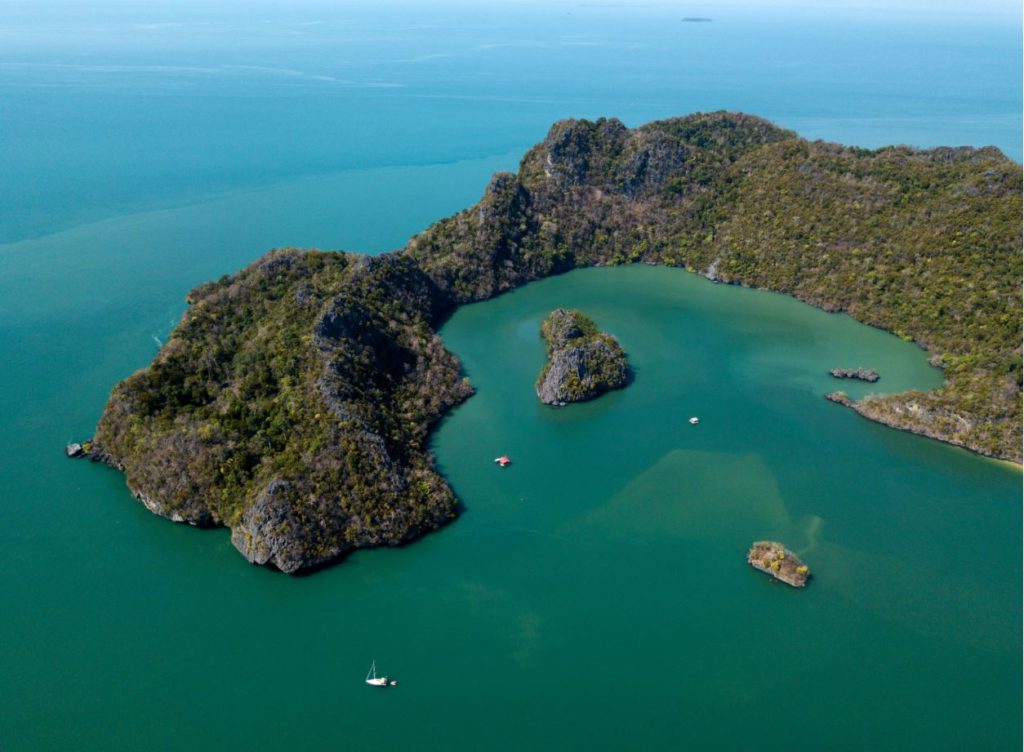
point(582, 364)
point(861, 374)
point(775, 559)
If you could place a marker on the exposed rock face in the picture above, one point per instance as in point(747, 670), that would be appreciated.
point(579, 373)
point(573, 149)
point(271, 531)
point(778, 561)
point(861, 374)
point(582, 362)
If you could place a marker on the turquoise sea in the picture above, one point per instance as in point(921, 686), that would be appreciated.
point(592, 596)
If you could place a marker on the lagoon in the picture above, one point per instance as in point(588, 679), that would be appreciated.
point(629, 526)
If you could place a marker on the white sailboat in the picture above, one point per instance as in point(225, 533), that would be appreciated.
point(374, 680)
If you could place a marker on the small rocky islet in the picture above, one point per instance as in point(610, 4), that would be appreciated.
point(775, 559)
point(583, 363)
point(860, 374)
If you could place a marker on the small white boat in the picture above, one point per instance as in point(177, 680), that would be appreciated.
point(377, 681)
point(694, 421)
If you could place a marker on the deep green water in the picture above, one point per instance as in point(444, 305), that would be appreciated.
point(592, 596)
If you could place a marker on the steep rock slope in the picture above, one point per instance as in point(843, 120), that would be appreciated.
point(583, 363)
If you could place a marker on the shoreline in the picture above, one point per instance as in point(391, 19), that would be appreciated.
point(711, 276)
point(855, 406)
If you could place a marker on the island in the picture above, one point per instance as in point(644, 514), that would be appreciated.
point(861, 374)
point(778, 561)
point(582, 362)
point(293, 402)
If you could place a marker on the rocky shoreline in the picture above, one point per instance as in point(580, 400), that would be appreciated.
point(916, 412)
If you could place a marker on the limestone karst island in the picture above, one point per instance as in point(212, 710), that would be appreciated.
point(582, 362)
point(294, 401)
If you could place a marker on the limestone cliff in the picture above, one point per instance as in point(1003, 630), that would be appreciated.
point(582, 362)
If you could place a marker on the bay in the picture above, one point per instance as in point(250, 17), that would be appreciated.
point(630, 526)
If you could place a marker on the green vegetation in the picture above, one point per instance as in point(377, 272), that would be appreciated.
point(582, 362)
point(292, 403)
point(566, 326)
point(294, 399)
point(923, 243)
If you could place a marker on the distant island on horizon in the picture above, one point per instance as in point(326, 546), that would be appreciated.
point(294, 401)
